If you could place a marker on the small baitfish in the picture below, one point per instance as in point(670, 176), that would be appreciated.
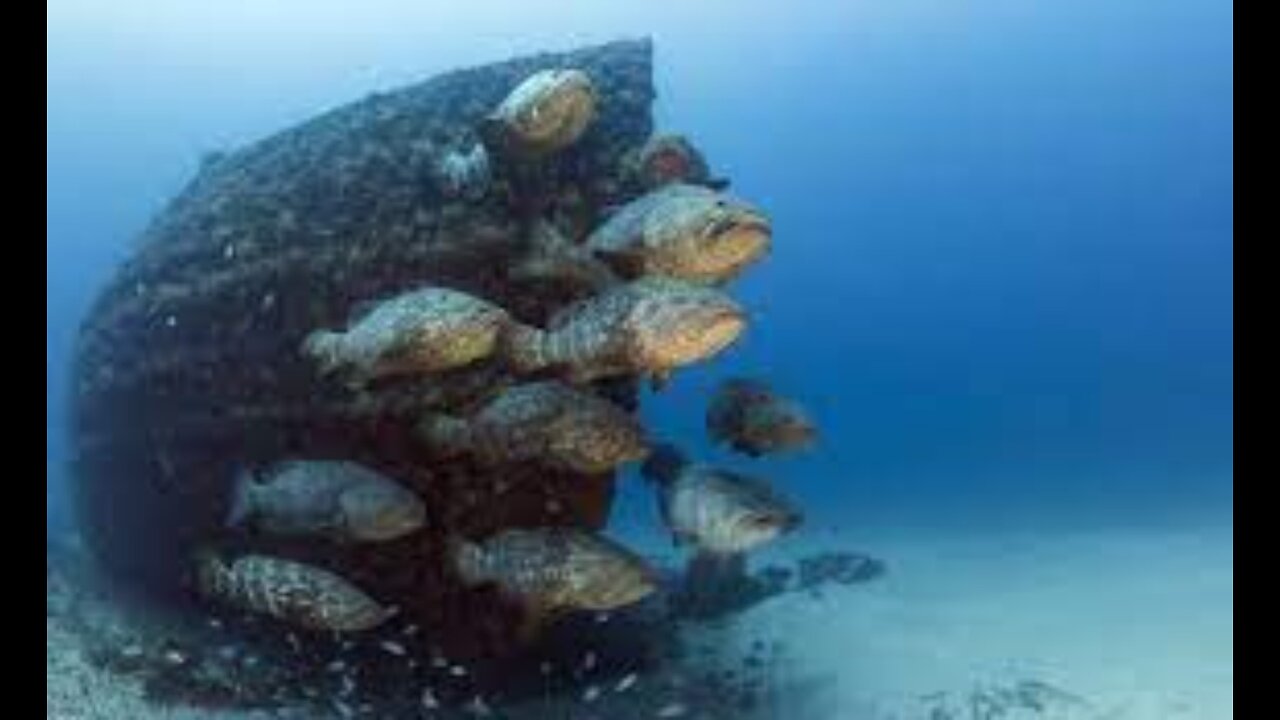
point(688, 232)
point(649, 326)
point(545, 421)
point(749, 417)
point(552, 570)
point(301, 595)
point(545, 113)
point(341, 500)
point(422, 331)
point(716, 511)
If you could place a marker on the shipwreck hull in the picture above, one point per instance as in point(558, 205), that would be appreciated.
point(188, 365)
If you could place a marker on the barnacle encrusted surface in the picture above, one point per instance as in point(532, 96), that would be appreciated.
point(188, 367)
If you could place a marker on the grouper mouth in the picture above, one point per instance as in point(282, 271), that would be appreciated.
point(720, 330)
point(694, 339)
point(734, 241)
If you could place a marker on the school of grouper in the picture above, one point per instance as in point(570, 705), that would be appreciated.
point(657, 267)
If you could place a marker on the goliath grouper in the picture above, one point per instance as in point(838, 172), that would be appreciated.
point(339, 500)
point(649, 327)
point(423, 331)
point(720, 514)
point(544, 421)
point(550, 571)
point(301, 595)
point(752, 419)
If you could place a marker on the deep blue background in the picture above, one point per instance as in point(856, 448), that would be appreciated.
point(1002, 273)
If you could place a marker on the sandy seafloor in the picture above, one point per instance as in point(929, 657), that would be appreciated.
point(1115, 624)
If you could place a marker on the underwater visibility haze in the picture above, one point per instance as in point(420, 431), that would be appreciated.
point(907, 329)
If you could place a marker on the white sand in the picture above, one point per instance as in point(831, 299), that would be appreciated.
point(1137, 624)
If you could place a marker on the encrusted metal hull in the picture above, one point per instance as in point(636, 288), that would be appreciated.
point(188, 365)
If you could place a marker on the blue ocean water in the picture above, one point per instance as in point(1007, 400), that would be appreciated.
point(1002, 275)
point(1001, 280)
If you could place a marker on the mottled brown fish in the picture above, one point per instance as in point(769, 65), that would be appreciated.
point(301, 595)
point(544, 421)
point(716, 511)
point(749, 417)
point(683, 231)
point(552, 570)
point(671, 158)
point(552, 257)
point(422, 331)
point(649, 326)
point(340, 500)
point(545, 113)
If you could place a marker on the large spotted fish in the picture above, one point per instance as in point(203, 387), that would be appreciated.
point(340, 500)
point(751, 418)
point(672, 158)
point(422, 331)
point(721, 515)
point(684, 231)
point(716, 511)
point(546, 112)
point(553, 570)
point(648, 327)
point(544, 421)
point(301, 595)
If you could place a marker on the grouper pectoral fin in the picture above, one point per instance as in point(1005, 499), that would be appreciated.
point(534, 621)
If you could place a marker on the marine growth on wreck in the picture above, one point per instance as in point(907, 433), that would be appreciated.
point(353, 371)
